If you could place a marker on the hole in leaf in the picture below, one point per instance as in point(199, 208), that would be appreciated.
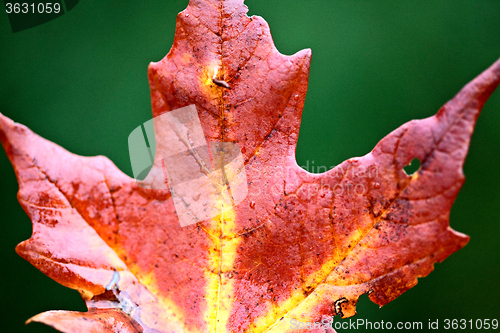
point(412, 167)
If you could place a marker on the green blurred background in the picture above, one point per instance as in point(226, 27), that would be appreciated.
point(81, 82)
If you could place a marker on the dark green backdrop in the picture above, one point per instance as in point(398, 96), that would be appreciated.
point(81, 82)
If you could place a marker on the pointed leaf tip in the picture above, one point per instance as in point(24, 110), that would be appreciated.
point(94, 321)
point(474, 95)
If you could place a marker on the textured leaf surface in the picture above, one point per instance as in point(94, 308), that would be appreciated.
point(300, 246)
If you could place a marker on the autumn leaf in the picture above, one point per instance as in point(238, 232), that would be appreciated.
point(300, 246)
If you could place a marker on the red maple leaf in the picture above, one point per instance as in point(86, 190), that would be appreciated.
point(300, 246)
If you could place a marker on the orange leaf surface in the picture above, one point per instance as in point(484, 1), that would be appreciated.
point(300, 246)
